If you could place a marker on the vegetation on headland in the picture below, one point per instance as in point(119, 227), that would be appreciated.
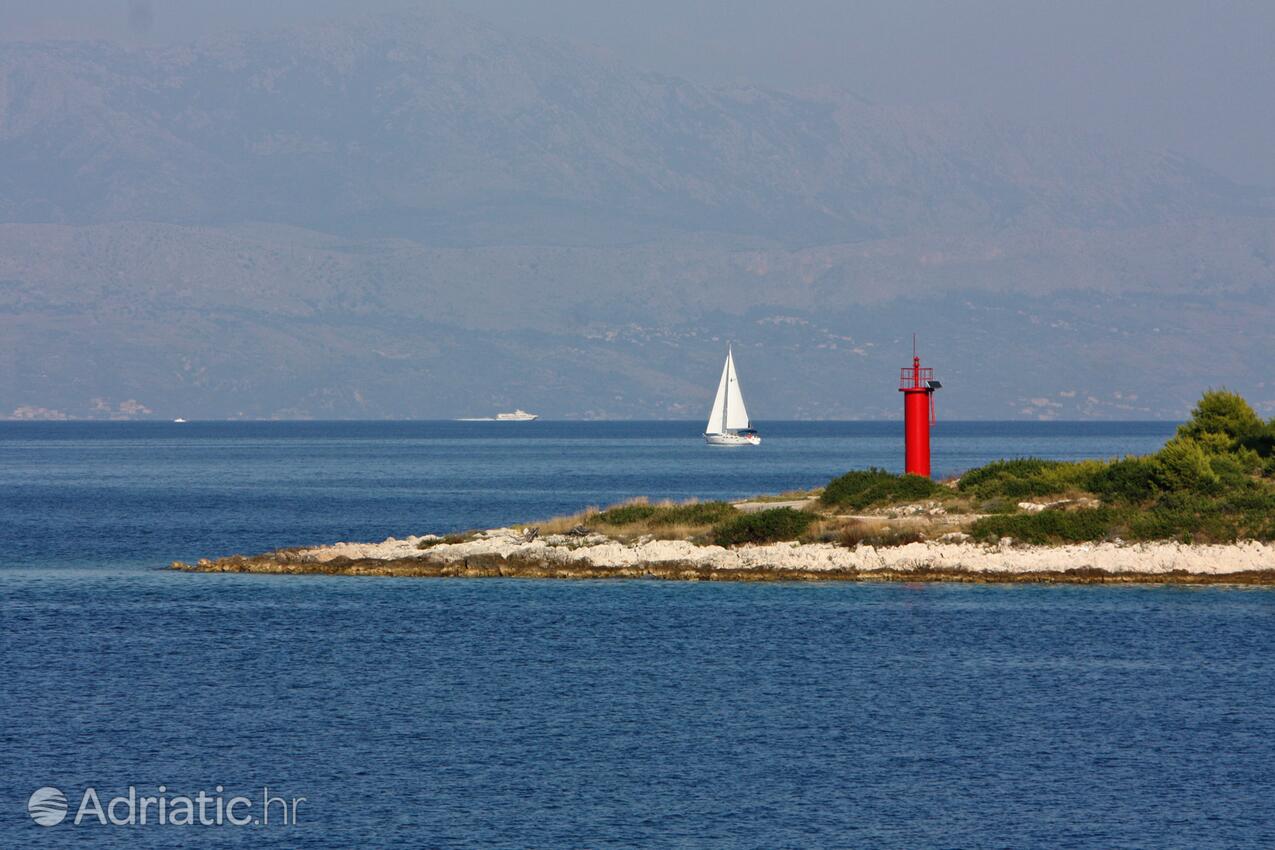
point(762, 527)
point(667, 515)
point(862, 488)
point(1214, 482)
point(639, 518)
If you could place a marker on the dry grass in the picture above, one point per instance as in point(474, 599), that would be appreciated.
point(656, 526)
point(879, 534)
point(874, 531)
point(563, 524)
point(827, 528)
point(787, 496)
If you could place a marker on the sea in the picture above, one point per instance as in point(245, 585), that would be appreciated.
point(318, 711)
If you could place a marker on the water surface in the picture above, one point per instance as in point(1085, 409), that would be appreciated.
point(506, 713)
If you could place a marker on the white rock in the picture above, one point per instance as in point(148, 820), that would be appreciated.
point(952, 551)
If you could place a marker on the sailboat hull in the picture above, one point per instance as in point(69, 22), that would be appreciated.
point(732, 439)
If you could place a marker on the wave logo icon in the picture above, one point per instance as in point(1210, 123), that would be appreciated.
point(47, 806)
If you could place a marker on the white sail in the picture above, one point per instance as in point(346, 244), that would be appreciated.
point(729, 413)
point(736, 413)
point(717, 418)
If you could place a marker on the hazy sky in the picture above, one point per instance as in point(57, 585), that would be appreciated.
point(1195, 77)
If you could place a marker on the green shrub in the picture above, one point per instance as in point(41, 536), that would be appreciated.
point(695, 513)
point(1214, 444)
point(1184, 465)
point(627, 514)
point(1026, 477)
point(1051, 526)
point(692, 513)
point(1163, 524)
point(1019, 467)
point(1131, 479)
point(1263, 442)
point(1250, 498)
point(863, 487)
point(1191, 520)
point(763, 527)
point(1236, 468)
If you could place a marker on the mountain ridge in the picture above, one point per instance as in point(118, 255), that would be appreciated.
point(436, 189)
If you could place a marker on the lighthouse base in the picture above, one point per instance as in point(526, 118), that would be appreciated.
point(916, 431)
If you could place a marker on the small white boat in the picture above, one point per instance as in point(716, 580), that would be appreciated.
point(518, 415)
point(179, 420)
point(728, 424)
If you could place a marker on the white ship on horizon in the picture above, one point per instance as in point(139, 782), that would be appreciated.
point(728, 424)
point(519, 415)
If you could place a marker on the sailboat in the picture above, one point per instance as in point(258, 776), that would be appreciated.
point(728, 424)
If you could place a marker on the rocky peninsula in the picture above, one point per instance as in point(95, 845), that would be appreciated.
point(1199, 511)
point(509, 552)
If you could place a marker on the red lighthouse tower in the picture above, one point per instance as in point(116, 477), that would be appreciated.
point(917, 385)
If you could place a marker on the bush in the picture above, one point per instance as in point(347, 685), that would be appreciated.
point(1026, 477)
point(1020, 467)
point(1131, 479)
point(1184, 465)
point(1163, 524)
point(763, 527)
point(1188, 517)
point(627, 514)
point(1052, 526)
point(693, 513)
point(863, 487)
point(1236, 468)
point(1263, 442)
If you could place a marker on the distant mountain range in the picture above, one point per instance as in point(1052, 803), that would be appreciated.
point(424, 216)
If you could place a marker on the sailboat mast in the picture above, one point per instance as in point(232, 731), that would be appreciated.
point(730, 376)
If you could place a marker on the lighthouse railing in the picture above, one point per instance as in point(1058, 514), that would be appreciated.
point(915, 377)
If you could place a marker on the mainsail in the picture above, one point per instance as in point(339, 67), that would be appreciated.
point(729, 413)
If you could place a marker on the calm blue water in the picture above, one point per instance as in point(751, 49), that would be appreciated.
point(490, 713)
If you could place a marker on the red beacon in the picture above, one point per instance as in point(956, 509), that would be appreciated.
point(917, 385)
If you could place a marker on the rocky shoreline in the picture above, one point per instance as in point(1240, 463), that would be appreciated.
point(509, 552)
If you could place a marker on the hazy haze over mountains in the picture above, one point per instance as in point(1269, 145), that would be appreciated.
point(424, 214)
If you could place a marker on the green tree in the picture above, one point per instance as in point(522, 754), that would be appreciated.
point(1222, 418)
point(1184, 466)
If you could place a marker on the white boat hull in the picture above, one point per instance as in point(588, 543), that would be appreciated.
point(732, 439)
